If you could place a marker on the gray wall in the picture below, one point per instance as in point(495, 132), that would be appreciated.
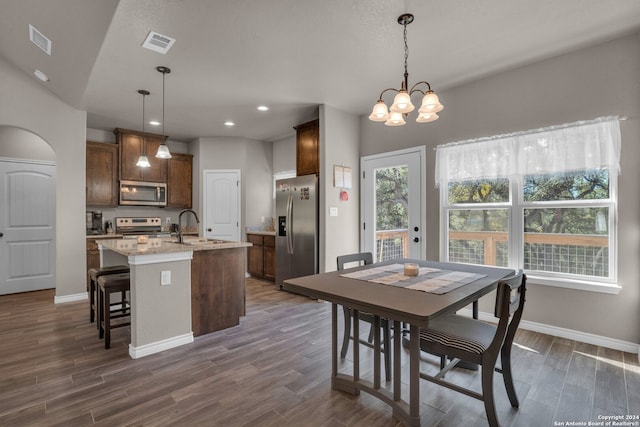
point(338, 146)
point(26, 104)
point(18, 143)
point(253, 158)
point(596, 81)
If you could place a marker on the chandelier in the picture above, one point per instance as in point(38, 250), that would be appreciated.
point(163, 151)
point(402, 106)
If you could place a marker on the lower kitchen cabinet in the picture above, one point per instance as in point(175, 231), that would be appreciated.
point(261, 257)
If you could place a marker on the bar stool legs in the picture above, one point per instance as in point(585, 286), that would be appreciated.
point(107, 318)
point(94, 274)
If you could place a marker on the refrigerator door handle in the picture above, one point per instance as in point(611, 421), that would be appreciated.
point(290, 224)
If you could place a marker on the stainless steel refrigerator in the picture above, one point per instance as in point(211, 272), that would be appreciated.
point(297, 228)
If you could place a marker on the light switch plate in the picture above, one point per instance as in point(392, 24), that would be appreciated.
point(165, 278)
point(333, 211)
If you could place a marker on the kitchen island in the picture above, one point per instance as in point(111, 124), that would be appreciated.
point(179, 290)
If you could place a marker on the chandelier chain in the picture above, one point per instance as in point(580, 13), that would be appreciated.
point(406, 50)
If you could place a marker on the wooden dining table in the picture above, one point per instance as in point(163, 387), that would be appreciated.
point(401, 302)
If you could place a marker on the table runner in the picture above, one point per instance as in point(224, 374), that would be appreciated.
point(432, 280)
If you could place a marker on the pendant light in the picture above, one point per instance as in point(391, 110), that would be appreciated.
point(402, 106)
point(143, 161)
point(163, 151)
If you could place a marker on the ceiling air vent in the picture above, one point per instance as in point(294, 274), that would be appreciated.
point(39, 40)
point(158, 42)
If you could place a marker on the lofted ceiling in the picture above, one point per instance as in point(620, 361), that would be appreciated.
point(291, 55)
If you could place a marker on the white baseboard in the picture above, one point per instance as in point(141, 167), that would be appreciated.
point(70, 298)
point(158, 346)
point(571, 334)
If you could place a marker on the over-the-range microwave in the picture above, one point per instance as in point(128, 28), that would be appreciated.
point(138, 193)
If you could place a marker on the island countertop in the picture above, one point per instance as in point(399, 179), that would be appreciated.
point(131, 247)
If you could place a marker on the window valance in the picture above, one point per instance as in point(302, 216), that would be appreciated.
point(592, 144)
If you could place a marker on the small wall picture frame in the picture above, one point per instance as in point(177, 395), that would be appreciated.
point(342, 176)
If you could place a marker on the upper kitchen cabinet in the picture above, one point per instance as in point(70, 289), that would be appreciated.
point(102, 174)
point(179, 180)
point(132, 145)
point(307, 145)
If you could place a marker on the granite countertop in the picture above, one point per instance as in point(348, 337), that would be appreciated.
point(263, 233)
point(131, 247)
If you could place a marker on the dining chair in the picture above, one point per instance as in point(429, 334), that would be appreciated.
point(365, 258)
point(474, 341)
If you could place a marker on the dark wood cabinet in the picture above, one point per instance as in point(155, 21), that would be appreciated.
point(261, 257)
point(269, 257)
point(307, 148)
point(132, 145)
point(217, 289)
point(101, 174)
point(179, 181)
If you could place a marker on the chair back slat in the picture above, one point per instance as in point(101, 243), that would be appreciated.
point(509, 296)
point(362, 258)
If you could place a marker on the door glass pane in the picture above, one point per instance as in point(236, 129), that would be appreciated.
point(479, 236)
point(392, 213)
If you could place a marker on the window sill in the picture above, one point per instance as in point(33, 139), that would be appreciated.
point(582, 285)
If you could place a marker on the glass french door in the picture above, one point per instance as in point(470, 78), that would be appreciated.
point(393, 204)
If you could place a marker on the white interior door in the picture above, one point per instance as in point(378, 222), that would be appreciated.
point(27, 226)
point(222, 204)
point(393, 204)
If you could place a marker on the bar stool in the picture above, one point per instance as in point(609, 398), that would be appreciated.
point(94, 273)
point(107, 285)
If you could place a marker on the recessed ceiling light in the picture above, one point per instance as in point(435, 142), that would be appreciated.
point(229, 123)
point(41, 76)
point(154, 123)
point(263, 108)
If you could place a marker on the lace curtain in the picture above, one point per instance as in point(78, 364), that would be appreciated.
point(593, 144)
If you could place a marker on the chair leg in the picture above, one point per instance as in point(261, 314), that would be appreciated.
point(370, 338)
point(100, 305)
point(487, 395)
point(507, 377)
point(92, 301)
point(386, 331)
point(107, 319)
point(347, 331)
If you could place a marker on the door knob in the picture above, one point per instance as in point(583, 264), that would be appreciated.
point(209, 230)
point(416, 239)
point(416, 229)
point(1, 234)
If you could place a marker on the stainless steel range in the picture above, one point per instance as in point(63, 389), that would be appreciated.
point(138, 226)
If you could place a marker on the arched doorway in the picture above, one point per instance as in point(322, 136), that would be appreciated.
point(27, 212)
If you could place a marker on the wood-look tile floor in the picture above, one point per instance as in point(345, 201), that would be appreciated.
point(271, 370)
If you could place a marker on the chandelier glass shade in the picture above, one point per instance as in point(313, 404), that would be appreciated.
point(402, 105)
point(163, 151)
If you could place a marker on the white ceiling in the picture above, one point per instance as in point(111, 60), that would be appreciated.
point(291, 55)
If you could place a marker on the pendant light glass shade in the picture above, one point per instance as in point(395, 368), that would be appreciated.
point(163, 151)
point(143, 162)
point(402, 103)
point(395, 119)
point(380, 113)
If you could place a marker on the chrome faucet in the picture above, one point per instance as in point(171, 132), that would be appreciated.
point(180, 238)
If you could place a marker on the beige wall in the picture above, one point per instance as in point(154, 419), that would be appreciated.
point(597, 81)
point(253, 158)
point(26, 104)
point(339, 235)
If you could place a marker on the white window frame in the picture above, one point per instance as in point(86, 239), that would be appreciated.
point(507, 156)
point(515, 207)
